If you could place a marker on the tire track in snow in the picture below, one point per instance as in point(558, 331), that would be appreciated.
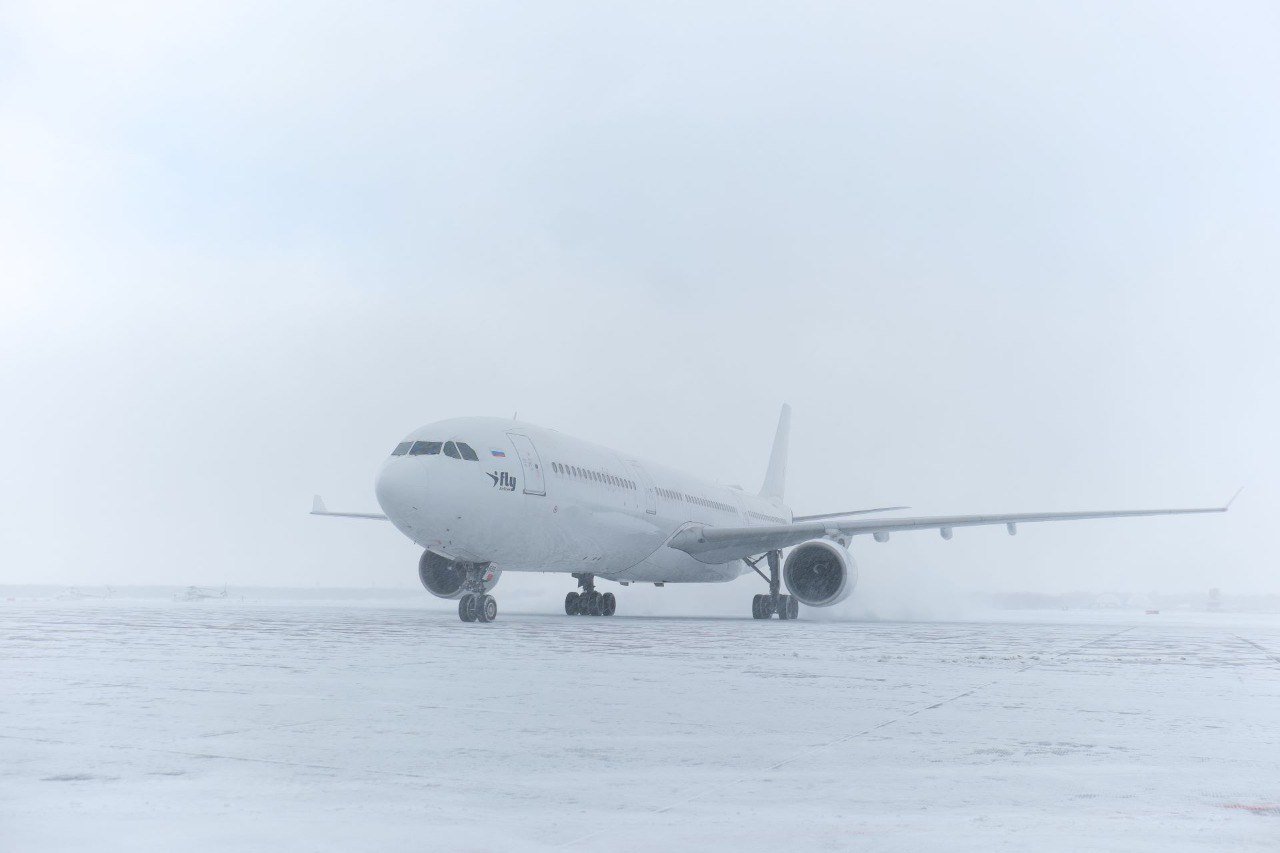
point(703, 792)
point(1263, 649)
point(430, 780)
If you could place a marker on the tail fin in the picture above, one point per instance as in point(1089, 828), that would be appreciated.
point(775, 478)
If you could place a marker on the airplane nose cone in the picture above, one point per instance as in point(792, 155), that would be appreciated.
point(400, 492)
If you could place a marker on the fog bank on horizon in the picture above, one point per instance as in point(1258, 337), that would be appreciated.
point(997, 259)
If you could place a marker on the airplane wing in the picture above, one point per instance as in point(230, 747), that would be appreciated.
point(848, 513)
point(318, 508)
point(722, 544)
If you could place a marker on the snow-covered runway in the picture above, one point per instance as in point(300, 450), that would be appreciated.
point(216, 726)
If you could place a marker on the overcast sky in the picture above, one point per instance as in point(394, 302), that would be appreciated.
point(1007, 258)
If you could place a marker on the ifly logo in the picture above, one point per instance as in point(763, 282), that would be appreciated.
point(503, 481)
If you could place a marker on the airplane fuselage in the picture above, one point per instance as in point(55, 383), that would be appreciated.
point(526, 498)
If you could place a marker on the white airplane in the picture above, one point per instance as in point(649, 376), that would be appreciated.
point(486, 495)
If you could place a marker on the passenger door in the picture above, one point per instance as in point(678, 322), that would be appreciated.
point(534, 478)
point(642, 479)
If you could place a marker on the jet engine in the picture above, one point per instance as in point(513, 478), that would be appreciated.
point(445, 578)
point(820, 573)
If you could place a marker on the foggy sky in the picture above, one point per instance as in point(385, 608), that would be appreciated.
point(1005, 258)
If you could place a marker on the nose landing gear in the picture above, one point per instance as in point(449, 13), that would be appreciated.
point(589, 602)
point(476, 605)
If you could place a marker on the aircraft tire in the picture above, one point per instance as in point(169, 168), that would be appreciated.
point(572, 604)
point(757, 607)
point(793, 607)
point(784, 607)
point(466, 608)
point(608, 604)
point(486, 608)
point(593, 603)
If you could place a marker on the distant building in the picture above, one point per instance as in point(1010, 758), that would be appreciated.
point(1108, 601)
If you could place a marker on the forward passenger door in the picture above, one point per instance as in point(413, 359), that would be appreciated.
point(534, 477)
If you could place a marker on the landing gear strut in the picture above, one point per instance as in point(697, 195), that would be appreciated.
point(764, 606)
point(476, 605)
point(589, 602)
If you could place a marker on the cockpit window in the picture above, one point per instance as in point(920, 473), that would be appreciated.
point(451, 450)
point(424, 448)
point(467, 452)
point(402, 448)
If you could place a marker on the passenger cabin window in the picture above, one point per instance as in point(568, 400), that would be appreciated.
point(402, 448)
point(451, 450)
point(424, 448)
point(467, 452)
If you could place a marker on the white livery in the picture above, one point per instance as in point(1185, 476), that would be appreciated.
point(486, 495)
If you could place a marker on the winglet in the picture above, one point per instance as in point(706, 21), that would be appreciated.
point(1233, 499)
point(317, 506)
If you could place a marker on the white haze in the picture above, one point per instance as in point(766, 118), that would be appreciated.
point(998, 257)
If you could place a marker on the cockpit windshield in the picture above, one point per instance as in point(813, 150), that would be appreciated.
point(452, 449)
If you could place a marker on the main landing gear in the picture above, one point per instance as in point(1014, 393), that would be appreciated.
point(764, 606)
point(589, 602)
point(476, 605)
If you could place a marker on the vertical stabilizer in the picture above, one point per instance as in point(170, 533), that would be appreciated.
point(775, 478)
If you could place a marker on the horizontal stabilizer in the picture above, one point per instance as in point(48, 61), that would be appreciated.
point(318, 508)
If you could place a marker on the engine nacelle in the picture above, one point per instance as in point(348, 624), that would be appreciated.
point(820, 573)
point(445, 578)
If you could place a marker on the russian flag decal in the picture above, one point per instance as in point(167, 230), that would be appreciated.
point(499, 453)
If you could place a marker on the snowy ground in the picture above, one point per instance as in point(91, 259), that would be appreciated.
point(221, 725)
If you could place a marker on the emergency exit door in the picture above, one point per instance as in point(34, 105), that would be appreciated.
point(642, 479)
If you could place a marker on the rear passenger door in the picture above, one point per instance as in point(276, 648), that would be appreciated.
point(534, 478)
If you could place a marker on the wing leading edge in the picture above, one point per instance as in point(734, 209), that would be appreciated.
point(722, 544)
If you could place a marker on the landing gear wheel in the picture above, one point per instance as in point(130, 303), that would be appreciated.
point(593, 603)
point(486, 608)
point(572, 604)
point(757, 608)
point(784, 607)
point(467, 608)
point(793, 607)
point(608, 604)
